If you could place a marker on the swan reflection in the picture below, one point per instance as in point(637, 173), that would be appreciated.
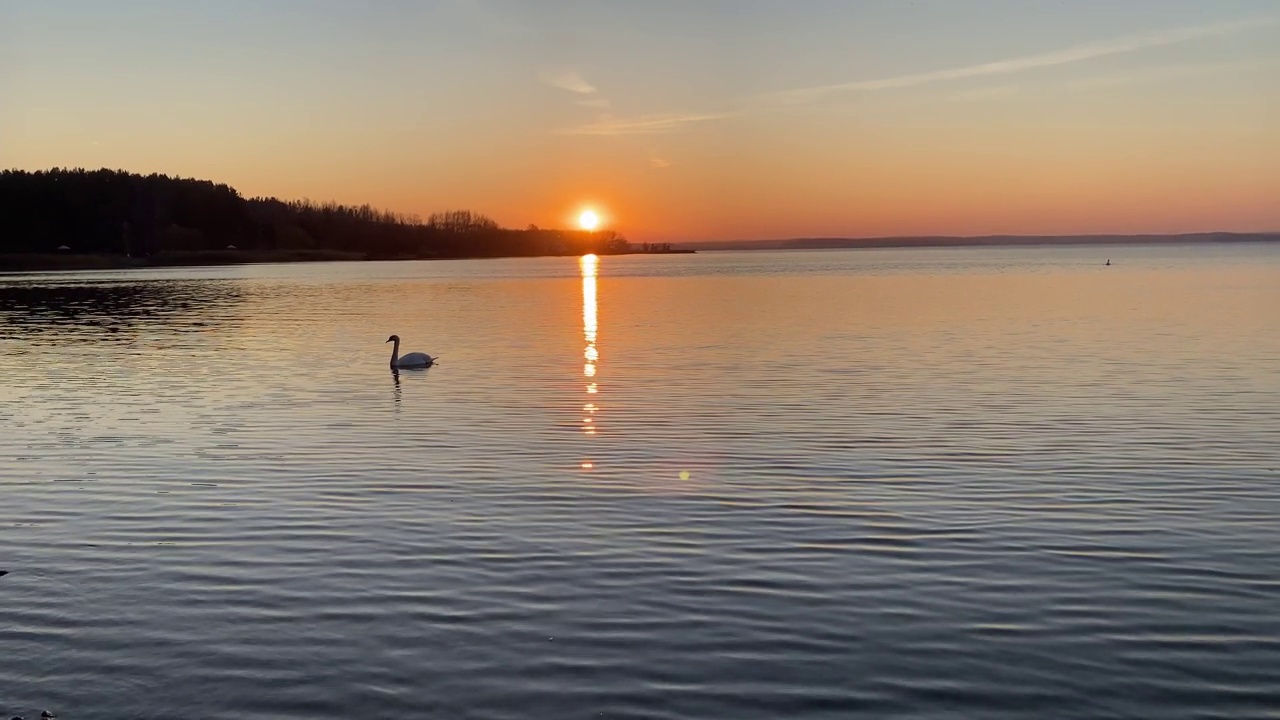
point(399, 383)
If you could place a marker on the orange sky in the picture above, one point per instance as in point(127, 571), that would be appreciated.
point(677, 122)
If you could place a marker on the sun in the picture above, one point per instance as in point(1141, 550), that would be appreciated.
point(588, 220)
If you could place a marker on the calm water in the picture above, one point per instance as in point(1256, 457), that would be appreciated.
point(901, 483)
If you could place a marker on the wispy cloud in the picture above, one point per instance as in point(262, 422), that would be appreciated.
point(488, 18)
point(659, 163)
point(566, 79)
point(1075, 54)
point(994, 92)
point(642, 125)
point(608, 125)
point(1170, 72)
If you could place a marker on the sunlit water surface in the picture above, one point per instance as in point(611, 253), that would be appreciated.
point(985, 483)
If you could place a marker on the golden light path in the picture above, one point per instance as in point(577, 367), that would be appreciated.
point(590, 324)
point(590, 266)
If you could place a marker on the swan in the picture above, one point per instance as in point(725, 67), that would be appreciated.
point(410, 360)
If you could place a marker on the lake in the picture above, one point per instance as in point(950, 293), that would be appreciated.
point(919, 483)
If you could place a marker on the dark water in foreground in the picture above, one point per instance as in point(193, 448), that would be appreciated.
point(900, 483)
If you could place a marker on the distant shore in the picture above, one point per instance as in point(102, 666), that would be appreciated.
point(78, 219)
point(46, 262)
point(833, 243)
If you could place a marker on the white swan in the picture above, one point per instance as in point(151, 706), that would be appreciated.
point(410, 360)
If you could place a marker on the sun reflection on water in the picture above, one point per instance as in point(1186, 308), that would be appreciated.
point(591, 355)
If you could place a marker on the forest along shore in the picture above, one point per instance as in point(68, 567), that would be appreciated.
point(64, 219)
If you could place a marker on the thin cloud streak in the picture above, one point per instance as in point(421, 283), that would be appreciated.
point(670, 122)
point(642, 125)
point(485, 16)
point(1078, 53)
point(985, 93)
point(566, 79)
point(1170, 72)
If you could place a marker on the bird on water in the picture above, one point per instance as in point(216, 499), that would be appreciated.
point(409, 361)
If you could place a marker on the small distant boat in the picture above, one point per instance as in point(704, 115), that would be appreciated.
point(1108, 261)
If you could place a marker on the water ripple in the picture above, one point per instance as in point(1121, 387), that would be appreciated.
point(818, 485)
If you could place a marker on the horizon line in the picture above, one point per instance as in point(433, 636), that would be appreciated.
point(993, 236)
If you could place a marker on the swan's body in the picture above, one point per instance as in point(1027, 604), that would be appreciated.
point(408, 361)
point(415, 359)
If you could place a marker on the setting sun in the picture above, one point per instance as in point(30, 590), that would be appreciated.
point(588, 220)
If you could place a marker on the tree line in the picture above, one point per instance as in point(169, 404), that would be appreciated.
point(121, 213)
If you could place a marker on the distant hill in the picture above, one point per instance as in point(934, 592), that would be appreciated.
point(980, 241)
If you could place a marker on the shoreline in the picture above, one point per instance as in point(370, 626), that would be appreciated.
point(987, 241)
point(17, 263)
point(46, 262)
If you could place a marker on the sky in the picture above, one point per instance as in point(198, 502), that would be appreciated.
point(676, 119)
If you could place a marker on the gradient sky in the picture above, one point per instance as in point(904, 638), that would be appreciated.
point(678, 119)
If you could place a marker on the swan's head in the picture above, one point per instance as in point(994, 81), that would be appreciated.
point(394, 338)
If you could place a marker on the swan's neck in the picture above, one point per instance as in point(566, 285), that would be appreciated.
point(395, 353)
